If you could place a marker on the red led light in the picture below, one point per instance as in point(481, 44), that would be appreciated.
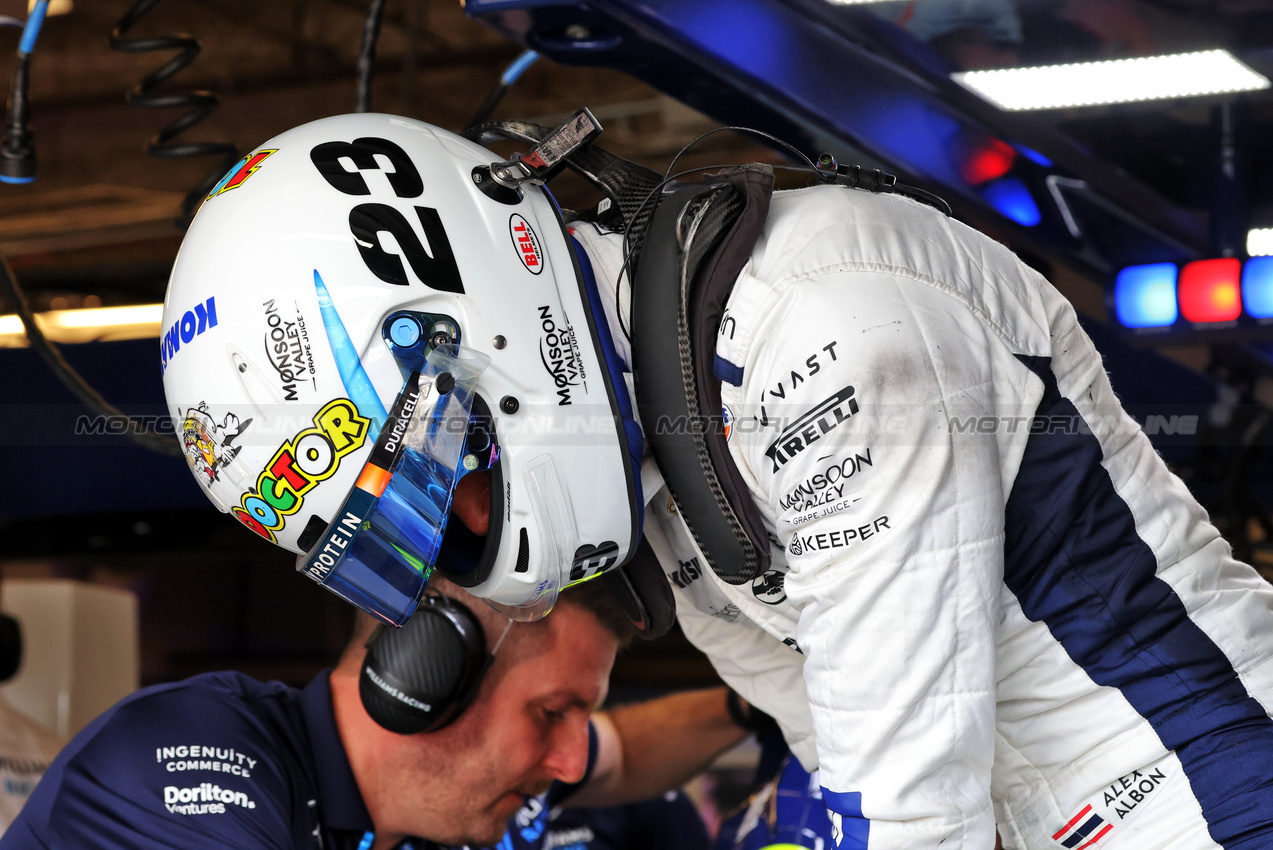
point(989, 160)
point(1209, 290)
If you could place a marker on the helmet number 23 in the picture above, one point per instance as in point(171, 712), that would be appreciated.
point(436, 267)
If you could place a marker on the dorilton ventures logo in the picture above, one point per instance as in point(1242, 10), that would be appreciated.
point(559, 351)
point(810, 427)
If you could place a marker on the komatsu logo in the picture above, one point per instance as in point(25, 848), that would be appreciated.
point(191, 324)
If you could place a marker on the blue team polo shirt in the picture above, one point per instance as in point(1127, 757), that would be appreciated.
point(215, 761)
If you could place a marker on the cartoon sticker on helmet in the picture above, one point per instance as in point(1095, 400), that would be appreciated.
point(299, 465)
point(208, 445)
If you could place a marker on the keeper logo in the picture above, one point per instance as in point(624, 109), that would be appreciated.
point(838, 539)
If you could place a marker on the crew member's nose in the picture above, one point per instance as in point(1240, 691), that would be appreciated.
point(567, 757)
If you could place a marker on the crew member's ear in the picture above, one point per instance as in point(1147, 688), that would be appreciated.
point(420, 677)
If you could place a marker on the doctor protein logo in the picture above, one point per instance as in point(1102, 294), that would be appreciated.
point(299, 465)
point(559, 352)
point(192, 323)
point(204, 799)
point(526, 241)
point(809, 428)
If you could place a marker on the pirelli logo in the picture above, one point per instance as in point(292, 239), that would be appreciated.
point(809, 428)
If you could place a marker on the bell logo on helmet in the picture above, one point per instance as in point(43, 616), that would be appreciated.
point(526, 241)
point(299, 465)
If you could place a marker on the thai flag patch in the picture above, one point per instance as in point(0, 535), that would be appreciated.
point(1084, 829)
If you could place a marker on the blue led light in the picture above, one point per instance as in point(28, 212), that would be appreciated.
point(1010, 196)
point(1257, 287)
point(1145, 296)
point(1034, 156)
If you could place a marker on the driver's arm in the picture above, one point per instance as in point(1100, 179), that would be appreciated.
point(648, 748)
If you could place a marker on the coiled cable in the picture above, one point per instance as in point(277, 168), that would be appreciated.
point(198, 104)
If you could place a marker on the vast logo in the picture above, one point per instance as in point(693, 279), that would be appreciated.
point(299, 465)
point(243, 169)
point(191, 324)
point(288, 349)
point(559, 351)
point(810, 427)
point(526, 241)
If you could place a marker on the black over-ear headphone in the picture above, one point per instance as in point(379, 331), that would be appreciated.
point(420, 677)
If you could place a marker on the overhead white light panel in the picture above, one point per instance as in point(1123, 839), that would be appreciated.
point(137, 321)
point(1114, 81)
point(1259, 242)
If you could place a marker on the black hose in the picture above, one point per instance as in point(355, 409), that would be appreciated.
point(139, 432)
point(367, 56)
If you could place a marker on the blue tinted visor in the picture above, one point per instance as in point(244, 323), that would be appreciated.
point(379, 550)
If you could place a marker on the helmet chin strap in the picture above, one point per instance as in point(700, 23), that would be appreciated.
point(500, 642)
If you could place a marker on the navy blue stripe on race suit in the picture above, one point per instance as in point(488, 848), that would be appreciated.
point(1074, 560)
point(613, 364)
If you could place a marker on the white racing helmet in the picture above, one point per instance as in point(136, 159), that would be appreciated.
point(357, 318)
